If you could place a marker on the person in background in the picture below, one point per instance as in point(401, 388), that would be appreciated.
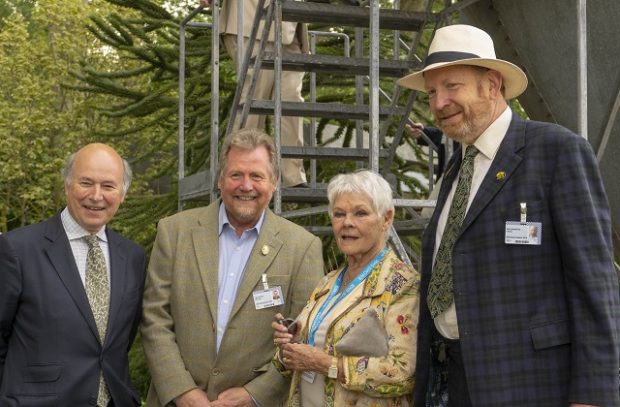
point(506, 320)
point(356, 341)
point(294, 41)
point(209, 296)
point(435, 135)
point(70, 295)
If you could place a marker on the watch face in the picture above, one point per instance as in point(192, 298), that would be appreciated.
point(332, 372)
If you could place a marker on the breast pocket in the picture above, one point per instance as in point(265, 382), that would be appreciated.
point(533, 210)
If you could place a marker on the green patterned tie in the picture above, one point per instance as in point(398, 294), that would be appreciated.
point(98, 293)
point(440, 290)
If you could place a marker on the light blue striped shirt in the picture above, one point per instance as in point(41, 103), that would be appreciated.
point(233, 257)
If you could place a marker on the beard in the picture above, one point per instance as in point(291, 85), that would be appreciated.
point(476, 119)
point(245, 214)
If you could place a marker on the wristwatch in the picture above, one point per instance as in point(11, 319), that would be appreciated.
point(332, 372)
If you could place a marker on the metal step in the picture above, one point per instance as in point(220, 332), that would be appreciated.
point(343, 15)
point(198, 186)
point(329, 153)
point(404, 228)
point(331, 110)
point(313, 194)
point(195, 186)
point(337, 64)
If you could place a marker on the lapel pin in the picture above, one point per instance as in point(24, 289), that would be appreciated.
point(500, 175)
point(264, 250)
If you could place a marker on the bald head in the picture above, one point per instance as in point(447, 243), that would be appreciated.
point(96, 180)
point(89, 151)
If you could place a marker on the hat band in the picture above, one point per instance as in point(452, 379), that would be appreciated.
point(447, 56)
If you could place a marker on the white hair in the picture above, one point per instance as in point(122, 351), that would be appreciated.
point(363, 182)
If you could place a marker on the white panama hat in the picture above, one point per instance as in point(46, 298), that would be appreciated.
point(461, 44)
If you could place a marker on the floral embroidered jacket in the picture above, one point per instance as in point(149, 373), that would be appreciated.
point(392, 290)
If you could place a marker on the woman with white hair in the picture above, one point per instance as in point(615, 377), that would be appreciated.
point(354, 344)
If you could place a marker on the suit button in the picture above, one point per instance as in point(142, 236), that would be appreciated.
point(216, 372)
point(92, 401)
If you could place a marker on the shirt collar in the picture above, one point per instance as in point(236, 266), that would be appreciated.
point(73, 229)
point(489, 141)
point(223, 220)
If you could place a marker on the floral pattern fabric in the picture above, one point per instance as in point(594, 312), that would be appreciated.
point(392, 290)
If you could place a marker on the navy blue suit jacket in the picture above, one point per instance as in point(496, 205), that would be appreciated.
point(538, 324)
point(50, 353)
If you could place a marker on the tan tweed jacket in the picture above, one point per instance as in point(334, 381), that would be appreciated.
point(180, 307)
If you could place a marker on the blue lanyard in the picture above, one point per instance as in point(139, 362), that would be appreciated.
point(328, 305)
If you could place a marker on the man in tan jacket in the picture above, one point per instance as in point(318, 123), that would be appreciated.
point(294, 41)
point(209, 297)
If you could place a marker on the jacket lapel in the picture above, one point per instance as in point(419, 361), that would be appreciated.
point(506, 160)
point(118, 273)
point(258, 261)
point(206, 247)
point(60, 255)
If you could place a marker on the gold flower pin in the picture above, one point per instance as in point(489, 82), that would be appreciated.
point(264, 250)
point(500, 175)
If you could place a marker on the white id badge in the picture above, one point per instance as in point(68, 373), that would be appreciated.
point(308, 376)
point(529, 233)
point(270, 297)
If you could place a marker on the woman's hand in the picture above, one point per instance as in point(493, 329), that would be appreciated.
point(302, 357)
point(281, 335)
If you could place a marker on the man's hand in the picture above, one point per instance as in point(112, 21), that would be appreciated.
point(205, 3)
point(234, 397)
point(193, 398)
point(582, 405)
point(414, 130)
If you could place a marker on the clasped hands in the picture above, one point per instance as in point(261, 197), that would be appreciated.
point(233, 397)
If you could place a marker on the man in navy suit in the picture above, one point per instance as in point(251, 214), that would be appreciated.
point(507, 319)
point(54, 349)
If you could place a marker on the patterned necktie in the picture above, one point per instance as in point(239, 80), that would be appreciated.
point(440, 290)
point(98, 293)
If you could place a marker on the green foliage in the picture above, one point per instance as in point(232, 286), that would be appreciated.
point(40, 122)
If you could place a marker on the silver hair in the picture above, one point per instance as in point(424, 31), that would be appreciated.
point(67, 171)
point(363, 182)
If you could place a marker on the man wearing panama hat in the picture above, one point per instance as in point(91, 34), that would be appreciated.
point(506, 320)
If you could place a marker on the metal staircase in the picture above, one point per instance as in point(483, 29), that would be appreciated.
point(367, 66)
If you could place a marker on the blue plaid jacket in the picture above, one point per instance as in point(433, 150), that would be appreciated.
point(539, 324)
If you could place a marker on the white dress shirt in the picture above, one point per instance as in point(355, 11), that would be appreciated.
point(487, 144)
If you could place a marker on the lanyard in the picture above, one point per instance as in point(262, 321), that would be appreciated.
point(328, 305)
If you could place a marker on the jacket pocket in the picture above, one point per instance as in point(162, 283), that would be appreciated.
point(549, 335)
point(261, 369)
point(41, 373)
point(36, 401)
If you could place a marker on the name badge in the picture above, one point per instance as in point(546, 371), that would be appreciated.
point(308, 376)
point(529, 233)
point(270, 297)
